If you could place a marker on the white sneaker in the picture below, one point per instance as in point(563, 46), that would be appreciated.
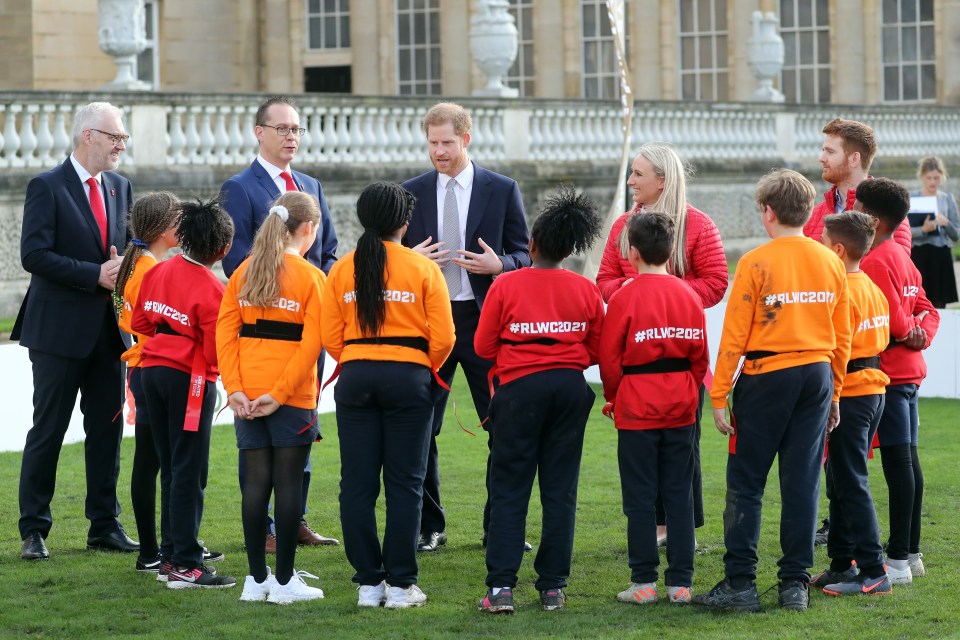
point(680, 595)
point(899, 571)
point(639, 593)
point(404, 597)
point(295, 590)
point(372, 595)
point(254, 591)
point(915, 560)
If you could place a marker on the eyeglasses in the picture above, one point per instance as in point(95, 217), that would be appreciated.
point(116, 137)
point(283, 131)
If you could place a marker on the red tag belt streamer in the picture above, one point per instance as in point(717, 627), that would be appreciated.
point(191, 419)
point(732, 444)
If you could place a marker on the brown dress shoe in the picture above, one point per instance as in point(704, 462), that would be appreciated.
point(308, 537)
point(271, 544)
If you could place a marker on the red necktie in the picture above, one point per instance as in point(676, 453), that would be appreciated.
point(291, 185)
point(96, 204)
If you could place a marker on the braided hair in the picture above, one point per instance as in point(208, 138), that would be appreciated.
point(261, 284)
point(568, 223)
point(382, 208)
point(150, 218)
point(204, 230)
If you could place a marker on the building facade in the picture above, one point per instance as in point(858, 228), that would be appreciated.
point(836, 51)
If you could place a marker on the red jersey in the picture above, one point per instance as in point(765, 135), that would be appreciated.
point(814, 227)
point(897, 277)
point(652, 318)
point(177, 307)
point(526, 307)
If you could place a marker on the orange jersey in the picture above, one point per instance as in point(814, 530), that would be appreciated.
point(789, 297)
point(870, 315)
point(417, 305)
point(131, 291)
point(286, 369)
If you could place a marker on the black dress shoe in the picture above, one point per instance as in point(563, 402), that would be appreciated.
point(526, 545)
point(33, 547)
point(117, 540)
point(430, 541)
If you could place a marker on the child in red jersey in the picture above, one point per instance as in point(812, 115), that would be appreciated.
point(541, 327)
point(177, 308)
point(854, 533)
point(913, 324)
point(654, 357)
point(268, 342)
point(153, 223)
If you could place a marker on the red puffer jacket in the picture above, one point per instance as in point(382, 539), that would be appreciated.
point(814, 227)
point(706, 263)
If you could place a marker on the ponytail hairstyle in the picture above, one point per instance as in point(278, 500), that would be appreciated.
point(150, 218)
point(672, 201)
point(261, 284)
point(205, 230)
point(383, 207)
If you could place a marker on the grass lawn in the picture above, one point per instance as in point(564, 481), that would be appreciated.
point(81, 594)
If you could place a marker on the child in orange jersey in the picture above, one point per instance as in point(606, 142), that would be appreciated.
point(653, 359)
point(854, 532)
point(541, 327)
point(789, 315)
point(386, 319)
point(268, 342)
point(177, 308)
point(153, 223)
point(913, 324)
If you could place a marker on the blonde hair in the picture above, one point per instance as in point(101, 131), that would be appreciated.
point(931, 163)
point(444, 112)
point(261, 284)
point(672, 201)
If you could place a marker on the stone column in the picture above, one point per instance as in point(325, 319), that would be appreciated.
point(123, 36)
point(849, 47)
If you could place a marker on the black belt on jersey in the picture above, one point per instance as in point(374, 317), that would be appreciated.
point(756, 355)
point(167, 329)
point(273, 330)
point(517, 343)
point(893, 343)
point(420, 344)
point(663, 365)
point(859, 364)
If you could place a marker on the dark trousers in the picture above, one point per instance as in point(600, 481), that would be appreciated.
point(384, 411)
point(184, 456)
point(658, 462)
point(538, 422)
point(854, 532)
point(146, 468)
point(466, 315)
point(899, 436)
point(697, 480)
point(56, 380)
point(780, 414)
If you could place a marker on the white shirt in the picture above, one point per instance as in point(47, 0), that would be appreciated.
point(463, 190)
point(274, 173)
point(85, 175)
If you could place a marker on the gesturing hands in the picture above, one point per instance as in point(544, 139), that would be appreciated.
point(109, 270)
point(487, 263)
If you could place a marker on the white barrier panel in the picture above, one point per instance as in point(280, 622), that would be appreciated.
point(943, 381)
point(17, 380)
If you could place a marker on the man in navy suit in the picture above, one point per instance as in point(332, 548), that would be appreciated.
point(247, 197)
point(74, 217)
point(490, 237)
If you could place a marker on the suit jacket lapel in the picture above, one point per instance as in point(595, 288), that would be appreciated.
point(75, 188)
point(479, 198)
point(427, 203)
point(267, 183)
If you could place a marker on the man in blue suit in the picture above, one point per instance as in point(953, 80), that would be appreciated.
point(471, 222)
point(74, 218)
point(247, 197)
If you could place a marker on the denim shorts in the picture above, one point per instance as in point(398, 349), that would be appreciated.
point(286, 427)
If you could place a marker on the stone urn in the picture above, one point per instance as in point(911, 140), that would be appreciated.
point(765, 56)
point(123, 35)
point(493, 45)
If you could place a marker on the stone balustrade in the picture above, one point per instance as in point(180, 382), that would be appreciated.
point(169, 130)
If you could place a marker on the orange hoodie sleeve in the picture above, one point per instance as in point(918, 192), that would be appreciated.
point(843, 332)
point(332, 322)
point(229, 322)
point(737, 322)
point(304, 361)
point(436, 302)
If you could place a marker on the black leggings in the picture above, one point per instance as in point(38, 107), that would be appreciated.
point(901, 469)
point(277, 470)
point(143, 489)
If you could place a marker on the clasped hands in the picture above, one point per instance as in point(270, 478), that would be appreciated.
point(483, 264)
point(248, 409)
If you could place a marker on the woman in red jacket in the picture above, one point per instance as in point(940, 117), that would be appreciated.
point(658, 180)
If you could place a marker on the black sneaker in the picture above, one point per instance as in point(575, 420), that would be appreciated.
point(198, 578)
point(552, 599)
point(211, 556)
point(724, 597)
point(794, 595)
point(822, 534)
point(834, 577)
point(149, 565)
point(500, 603)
